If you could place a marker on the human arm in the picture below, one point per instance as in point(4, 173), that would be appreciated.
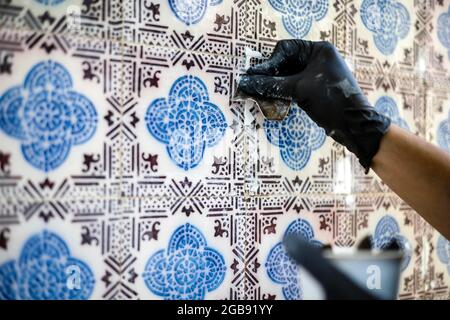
point(418, 172)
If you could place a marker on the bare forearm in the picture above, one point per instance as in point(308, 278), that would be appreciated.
point(419, 173)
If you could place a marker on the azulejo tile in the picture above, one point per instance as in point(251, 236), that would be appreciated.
point(432, 37)
point(160, 235)
point(86, 246)
point(184, 136)
point(404, 109)
point(442, 266)
point(12, 212)
point(400, 96)
point(104, 228)
point(65, 269)
point(87, 19)
point(386, 216)
point(298, 18)
point(443, 27)
point(437, 76)
point(57, 124)
point(294, 156)
point(272, 217)
point(28, 118)
point(443, 132)
point(438, 119)
point(282, 270)
point(373, 74)
point(288, 133)
point(187, 241)
point(311, 20)
point(382, 31)
point(214, 27)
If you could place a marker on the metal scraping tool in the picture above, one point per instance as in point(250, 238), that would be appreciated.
point(272, 109)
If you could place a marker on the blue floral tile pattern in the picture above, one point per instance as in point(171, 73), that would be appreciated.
point(50, 2)
point(191, 12)
point(443, 251)
point(298, 15)
point(282, 269)
point(387, 229)
point(388, 20)
point(443, 30)
point(388, 107)
point(47, 116)
point(443, 134)
point(187, 122)
point(165, 146)
point(42, 272)
point(187, 269)
point(296, 136)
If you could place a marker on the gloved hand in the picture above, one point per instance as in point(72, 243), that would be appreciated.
point(314, 75)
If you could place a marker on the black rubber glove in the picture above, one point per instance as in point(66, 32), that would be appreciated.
point(314, 75)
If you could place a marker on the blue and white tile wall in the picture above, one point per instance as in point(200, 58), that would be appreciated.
point(124, 161)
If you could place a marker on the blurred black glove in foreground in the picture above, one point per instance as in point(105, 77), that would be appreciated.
point(336, 284)
point(314, 75)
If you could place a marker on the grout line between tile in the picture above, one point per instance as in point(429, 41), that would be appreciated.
point(121, 41)
point(243, 196)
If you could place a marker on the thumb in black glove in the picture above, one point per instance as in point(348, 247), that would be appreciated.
point(313, 75)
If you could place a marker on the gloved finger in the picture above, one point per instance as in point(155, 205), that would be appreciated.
point(267, 86)
point(288, 57)
point(272, 66)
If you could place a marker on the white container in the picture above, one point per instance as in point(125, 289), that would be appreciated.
point(378, 273)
